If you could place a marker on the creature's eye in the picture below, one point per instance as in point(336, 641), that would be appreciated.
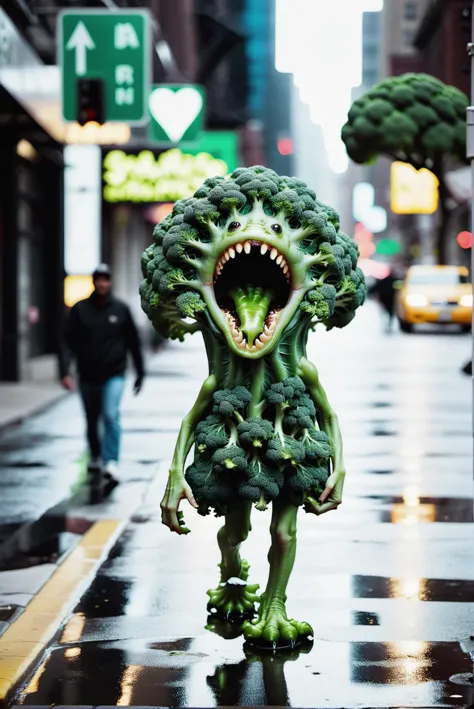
point(276, 228)
point(233, 226)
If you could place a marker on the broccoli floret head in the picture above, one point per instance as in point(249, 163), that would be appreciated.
point(320, 302)
point(255, 432)
point(231, 459)
point(289, 452)
point(182, 259)
point(211, 434)
point(317, 445)
point(261, 483)
point(285, 392)
point(209, 488)
point(227, 401)
point(301, 414)
point(306, 478)
point(189, 304)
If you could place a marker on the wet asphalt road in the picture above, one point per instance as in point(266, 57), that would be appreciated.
point(387, 582)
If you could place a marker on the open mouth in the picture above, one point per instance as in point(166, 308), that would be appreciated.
point(252, 285)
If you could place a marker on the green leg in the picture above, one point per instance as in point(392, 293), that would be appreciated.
point(272, 624)
point(233, 597)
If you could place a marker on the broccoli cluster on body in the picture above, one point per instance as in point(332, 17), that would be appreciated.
point(258, 458)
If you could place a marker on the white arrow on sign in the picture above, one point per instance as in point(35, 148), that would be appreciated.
point(81, 41)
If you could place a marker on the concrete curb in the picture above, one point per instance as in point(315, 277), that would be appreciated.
point(25, 641)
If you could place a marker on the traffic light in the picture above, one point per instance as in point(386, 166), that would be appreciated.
point(90, 101)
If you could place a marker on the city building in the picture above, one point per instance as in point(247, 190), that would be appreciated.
point(31, 169)
point(371, 62)
point(441, 39)
point(399, 23)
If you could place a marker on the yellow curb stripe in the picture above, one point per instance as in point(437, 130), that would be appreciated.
point(26, 639)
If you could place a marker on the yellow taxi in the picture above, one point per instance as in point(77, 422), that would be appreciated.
point(435, 294)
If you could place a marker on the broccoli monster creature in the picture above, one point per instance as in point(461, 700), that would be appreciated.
point(254, 262)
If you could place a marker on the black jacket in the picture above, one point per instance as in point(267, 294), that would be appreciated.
point(99, 335)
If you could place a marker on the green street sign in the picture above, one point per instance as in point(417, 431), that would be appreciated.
point(112, 46)
point(176, 112)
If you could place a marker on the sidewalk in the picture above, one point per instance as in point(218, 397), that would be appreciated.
point(41, 461)
point(20, 401)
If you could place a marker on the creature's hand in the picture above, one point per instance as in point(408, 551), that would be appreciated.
point(177, 489)
point(330, 498)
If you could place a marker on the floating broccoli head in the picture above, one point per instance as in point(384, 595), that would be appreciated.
point(244, 257)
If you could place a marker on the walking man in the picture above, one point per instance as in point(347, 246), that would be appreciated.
point(99, 333)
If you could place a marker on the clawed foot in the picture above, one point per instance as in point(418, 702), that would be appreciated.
point(234, 598)
point(274, 628)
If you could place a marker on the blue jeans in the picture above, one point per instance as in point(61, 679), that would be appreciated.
point(102, 404)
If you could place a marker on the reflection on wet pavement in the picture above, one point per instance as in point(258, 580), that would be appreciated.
point(208, 671)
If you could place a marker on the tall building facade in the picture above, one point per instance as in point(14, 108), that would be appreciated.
point(371, 63)
point(400, 20)
point(443, 34)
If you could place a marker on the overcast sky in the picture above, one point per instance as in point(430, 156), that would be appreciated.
point(320, 43)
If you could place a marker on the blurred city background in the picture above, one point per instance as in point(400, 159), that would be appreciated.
point(106, 119)
point(273, 90)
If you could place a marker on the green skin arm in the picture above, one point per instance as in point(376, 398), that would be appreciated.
point(331, 497)
point(177, 488)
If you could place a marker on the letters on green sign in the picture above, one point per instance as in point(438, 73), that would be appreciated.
point(170, 176)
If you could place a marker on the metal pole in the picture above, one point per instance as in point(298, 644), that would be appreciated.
point(470, 156)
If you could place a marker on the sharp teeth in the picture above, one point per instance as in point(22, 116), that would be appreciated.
point(252, 349)
point(259, 344)
point(226, 256)
point(273, 254)
point(265, 338)
point(282, 263)
point(238, 337)
point(279, 259)
point(247, 247)
point(285, 270)
point(232, 252)
point(263, 249)
point(239, 248)
point(267, 331)
point(243, 344)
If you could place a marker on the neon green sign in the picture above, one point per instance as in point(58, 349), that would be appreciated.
point(170, 176)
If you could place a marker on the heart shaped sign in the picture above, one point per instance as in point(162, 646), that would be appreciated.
point(175, 111)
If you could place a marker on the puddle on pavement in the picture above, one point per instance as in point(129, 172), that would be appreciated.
point(416, 510)
point(49, 552)
point(7, 612)
point(42, 542)
point(365, 618)
point(25, 464)
point(422, 589)
point(209, 671)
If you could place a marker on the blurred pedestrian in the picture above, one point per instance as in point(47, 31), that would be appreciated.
point(384, 290)
point(99, 333)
